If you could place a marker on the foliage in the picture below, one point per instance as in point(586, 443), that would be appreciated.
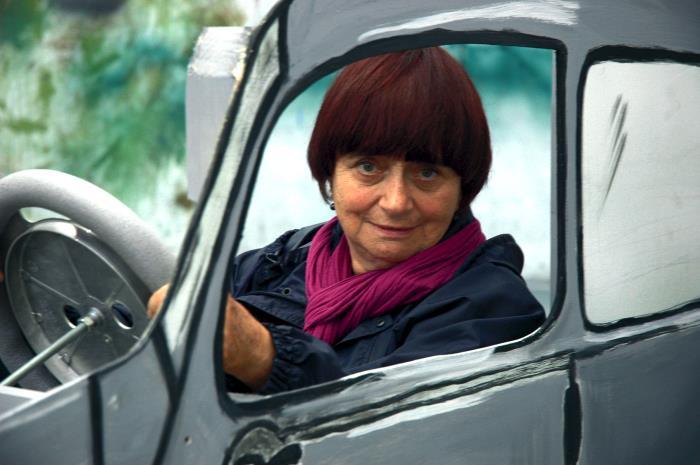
point(100, 96)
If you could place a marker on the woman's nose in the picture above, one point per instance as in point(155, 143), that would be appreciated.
point(396, 196)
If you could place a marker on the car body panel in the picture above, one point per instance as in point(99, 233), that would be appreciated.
point(547, 398)
point(639, 399)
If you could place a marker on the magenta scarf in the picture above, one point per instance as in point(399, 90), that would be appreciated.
point(338, 300)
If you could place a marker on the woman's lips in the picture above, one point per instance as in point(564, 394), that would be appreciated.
point(392, 231)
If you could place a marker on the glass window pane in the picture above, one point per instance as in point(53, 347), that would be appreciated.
point(641, 194)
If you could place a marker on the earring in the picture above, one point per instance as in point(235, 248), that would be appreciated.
point(332, 205)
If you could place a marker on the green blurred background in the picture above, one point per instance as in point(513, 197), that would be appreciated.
point(96, 88)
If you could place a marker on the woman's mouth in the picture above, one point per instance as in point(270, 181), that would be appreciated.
point(393, 231)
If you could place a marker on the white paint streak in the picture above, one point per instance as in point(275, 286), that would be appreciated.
point(421, 413)
point(550, 11)
point(440, 408)
point(218, 51)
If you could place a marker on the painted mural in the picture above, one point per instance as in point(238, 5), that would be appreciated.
point(97, 89)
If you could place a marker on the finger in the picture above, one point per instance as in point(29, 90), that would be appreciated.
point(156, 301)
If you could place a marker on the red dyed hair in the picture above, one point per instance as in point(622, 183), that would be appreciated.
point(419, 102)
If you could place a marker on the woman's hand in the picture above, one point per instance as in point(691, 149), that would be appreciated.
point(156, 301)
point(248, 350)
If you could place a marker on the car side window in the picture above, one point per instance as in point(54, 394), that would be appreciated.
point(515, 84)
point(640, 161)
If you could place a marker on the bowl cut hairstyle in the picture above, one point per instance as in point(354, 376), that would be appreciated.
point(420, 103)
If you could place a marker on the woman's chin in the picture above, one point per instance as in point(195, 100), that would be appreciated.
point(382, 259)
point(381, 254)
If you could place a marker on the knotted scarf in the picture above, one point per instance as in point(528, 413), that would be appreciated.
point(338, 300)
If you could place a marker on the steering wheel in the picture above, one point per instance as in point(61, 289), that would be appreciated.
point(101, 255)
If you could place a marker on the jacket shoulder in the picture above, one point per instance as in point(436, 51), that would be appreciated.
point(300, 237)
point(490, 280)
point(501, 250)
point(254, 266)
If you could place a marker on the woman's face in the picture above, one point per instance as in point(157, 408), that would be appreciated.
point(391, 209)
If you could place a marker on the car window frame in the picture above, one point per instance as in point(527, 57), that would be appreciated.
point(623, 54)
point(558, 170)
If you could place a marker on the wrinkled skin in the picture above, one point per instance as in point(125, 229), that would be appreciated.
point(248, 350)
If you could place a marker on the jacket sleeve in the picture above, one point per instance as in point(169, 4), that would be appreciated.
point(247, 271)
point(499, 309)
point(301, 360)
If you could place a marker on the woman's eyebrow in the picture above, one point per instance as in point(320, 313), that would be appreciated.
point(354, 156)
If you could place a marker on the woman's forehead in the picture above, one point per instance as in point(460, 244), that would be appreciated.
point(409, 155)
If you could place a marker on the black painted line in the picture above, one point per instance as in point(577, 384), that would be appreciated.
point(618, 146)
point(324, 426)
point(573, 417)
point(558, 275)
point(256, 407)
point(616, 106)
point(243, 432)
point(165, 362)
point(96, 419)
point(314, 428)
point(311, 430)
point(282, 43)
point(602, 348)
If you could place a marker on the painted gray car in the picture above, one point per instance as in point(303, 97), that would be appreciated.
point(611, 377)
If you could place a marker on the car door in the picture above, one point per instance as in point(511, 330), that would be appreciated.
point(537, 400)
point(560, 395)
point(493, 405)
point(641, 261)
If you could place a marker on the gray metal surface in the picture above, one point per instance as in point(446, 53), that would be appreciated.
point(447, 433)
point(640, 401)
point(15, 351)
point(578, 417)
point(132, 404)
point(317, 42)
point(640, 146)
point(56, 271)
point(211, 76)
point(92, 318)
point(91, 207)
point(11, 397)
point(57, 429)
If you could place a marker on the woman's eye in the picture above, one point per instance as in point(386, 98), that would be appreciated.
point(427, 173)
point(367, 167)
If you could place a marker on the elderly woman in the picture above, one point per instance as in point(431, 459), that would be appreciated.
point(400, 149)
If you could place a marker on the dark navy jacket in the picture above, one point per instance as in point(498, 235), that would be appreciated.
point(485, 303)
